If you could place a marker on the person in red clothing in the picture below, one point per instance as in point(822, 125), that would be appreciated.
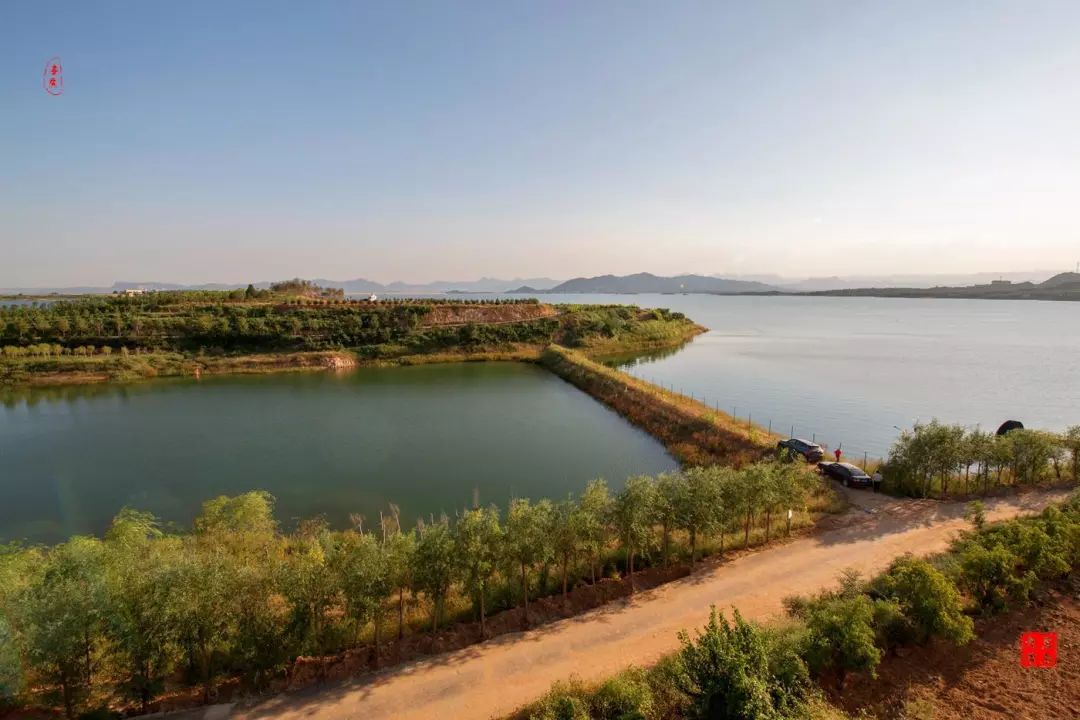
point(836, 452)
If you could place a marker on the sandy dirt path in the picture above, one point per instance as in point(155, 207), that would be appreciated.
point(494, 678)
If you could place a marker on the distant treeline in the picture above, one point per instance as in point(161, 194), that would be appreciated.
point(206, 320)
point(110, 621)
point(935, 459)
point(740, 669)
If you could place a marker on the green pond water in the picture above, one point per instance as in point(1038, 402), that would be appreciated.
point(428, 438)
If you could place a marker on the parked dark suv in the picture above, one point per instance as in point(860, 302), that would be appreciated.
point(846, 473)
point(811, 452)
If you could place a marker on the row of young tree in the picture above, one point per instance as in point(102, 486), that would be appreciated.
point(236, 596)
point(46, 350)
point(742, 671)
point(156, 323)
point(936, 459)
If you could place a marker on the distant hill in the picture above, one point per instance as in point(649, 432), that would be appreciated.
point(357, 285)
point(483, 285)
point(919, 281)
point(1063, 281)
point(649, 283)
point(1063, 286)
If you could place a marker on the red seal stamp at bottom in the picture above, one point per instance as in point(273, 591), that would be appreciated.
point(1038, 649)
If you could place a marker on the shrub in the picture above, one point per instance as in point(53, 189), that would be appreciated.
point(565, 701)
point(928, 601)
point(626, 696)
point(725, 672)
point(991, 576)
point(841, 636)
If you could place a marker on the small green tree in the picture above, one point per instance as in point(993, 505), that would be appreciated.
point(594, 513)
point(20, 569)
point(567, 523)
point(140, 614)
point(11, 670)
point(991, 576)
point(671, 505)
point(309, 584)
point(976, 513)
point(1071, 439)
point(1031, 452)
point(635, 515)
point(840, 636)
point(62, 620)
point(929, 601)
point(528, 541)
point(401, 559)
point(362, 566)
point(435, 566)
point(725, 672)
point(479, 535)
point(701, 505)
point(753, 487)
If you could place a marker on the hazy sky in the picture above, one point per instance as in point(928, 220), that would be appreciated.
point(229, 141)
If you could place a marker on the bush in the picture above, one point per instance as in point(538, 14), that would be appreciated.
point(725, 673)
point(992, 576)
point(565, 701)
point(929, 603)
point(841, 636)
point(626, 696)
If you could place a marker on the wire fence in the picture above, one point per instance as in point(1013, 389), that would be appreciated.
point(848, 453)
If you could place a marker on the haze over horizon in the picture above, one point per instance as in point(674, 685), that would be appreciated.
point(200, 143)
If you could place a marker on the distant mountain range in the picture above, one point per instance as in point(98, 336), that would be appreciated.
point(953, 285)
point(649, 283)
point(1063, 286)
point(359, 285)
point(926, 280)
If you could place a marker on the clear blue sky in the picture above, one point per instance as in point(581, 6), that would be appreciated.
point(229, 141)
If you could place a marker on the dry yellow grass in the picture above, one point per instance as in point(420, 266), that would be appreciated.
point(692, 431)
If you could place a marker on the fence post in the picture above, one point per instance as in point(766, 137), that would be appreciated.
point(792, 431)
point(770, 426)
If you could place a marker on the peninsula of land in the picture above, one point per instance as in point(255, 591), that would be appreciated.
point(298, 325)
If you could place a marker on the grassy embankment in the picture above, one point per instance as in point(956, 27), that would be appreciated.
point(692, 431)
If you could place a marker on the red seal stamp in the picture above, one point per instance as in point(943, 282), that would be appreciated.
point(52, 78)
point(1038, 649)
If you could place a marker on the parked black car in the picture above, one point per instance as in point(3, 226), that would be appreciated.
point(848, 474)
point(811, 452)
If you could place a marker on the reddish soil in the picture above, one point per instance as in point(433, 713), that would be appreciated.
point(983, 680)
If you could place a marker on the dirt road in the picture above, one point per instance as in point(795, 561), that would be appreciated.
point(496, 677)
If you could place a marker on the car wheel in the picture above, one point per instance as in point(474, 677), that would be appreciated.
point(846, 483)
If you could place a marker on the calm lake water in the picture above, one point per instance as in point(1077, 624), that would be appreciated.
point(845, 371)
point(424, 437)
point(851, 370)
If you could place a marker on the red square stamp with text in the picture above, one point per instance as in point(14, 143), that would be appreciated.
point(1038, 649)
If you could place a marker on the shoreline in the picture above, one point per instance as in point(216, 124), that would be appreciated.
point(116, 369)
